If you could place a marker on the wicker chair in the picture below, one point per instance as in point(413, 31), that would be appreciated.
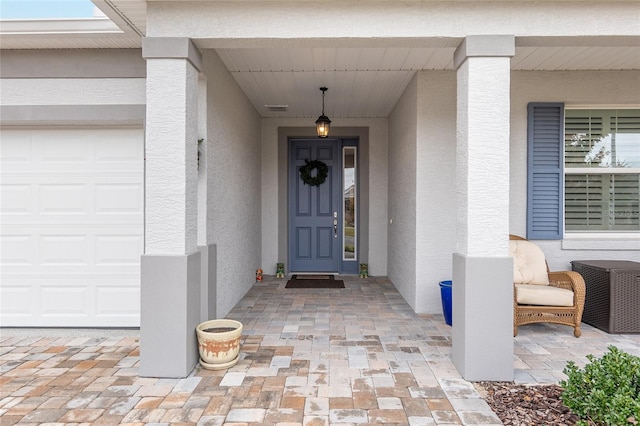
point(566, 315)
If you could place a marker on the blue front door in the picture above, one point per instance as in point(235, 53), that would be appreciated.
point(315, 224)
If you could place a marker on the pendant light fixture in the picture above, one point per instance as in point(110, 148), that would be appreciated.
point(323, 123)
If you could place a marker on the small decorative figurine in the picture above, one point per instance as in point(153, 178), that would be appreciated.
point(364, 270)
point(279, 270)
point(259, 275)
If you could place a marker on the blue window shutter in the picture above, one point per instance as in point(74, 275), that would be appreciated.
point(545, 171)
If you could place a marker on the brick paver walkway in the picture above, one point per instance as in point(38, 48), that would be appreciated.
point(308, 357)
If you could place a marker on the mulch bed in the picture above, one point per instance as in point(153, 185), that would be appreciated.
point(527, 405)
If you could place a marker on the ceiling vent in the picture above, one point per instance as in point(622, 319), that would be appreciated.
point(277, 108)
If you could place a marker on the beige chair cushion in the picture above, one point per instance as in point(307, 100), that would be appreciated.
point(543, 295)
point(529, 266)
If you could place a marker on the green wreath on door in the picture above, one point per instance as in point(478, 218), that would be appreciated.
point(319, 178)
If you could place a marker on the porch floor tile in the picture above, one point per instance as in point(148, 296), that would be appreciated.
point(357, 355)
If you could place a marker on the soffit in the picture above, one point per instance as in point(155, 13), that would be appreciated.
point(367, 82)
point(362, 82)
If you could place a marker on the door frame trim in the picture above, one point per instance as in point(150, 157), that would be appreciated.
point(286, 133)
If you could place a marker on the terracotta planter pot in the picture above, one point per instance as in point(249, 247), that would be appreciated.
point(219, 343)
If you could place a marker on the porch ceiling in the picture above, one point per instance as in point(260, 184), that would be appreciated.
point(362, 81)
point(367, 82)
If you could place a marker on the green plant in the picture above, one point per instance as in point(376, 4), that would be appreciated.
point(606, 391)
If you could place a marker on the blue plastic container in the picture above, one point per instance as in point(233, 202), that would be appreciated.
point(445, 293)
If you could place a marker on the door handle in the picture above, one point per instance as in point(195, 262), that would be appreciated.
point(335, 228)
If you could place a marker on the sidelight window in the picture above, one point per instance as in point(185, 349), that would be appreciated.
point(349, 192)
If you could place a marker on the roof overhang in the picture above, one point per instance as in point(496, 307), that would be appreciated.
point(121, 25)
point(23, 27)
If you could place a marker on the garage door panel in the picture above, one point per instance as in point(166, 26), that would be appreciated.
point(112, 250)
point(119, 198)
point(61, 148)
point(60, 195)
point(18, 250)
point(72, 226)
point(66, 300)
point(118, 302)
point(71, 250)
point(118, 146)
point(58, 199)
point(110, 150)
point(107, 302)
point(16, 302)
point(65, 249)
point(102, 199)
point(16, 150)
point(77, 301)
point(16, 199)
point(72, 150)
point(68, 198)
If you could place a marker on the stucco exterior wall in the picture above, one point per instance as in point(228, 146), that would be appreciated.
point(234, 154)
point(73, 91)
point(203, 199)
point(434, 125)
point(40, 78)
point(594, 88)
point(435, 189)
point(237, 23)
point(378, 196)
point(403, 124)
point(422, 173)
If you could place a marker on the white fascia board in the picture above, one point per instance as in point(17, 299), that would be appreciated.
point(120, 19)
point(58, 26)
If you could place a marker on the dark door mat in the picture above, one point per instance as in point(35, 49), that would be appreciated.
point(314, 281)
point(313, 277)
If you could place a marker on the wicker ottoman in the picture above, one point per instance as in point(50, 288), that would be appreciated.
point(612, 302)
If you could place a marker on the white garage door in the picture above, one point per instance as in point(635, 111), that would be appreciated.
point(71, 226)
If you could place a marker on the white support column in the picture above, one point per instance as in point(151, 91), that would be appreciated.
point(170, 285)
point(171, 172)
point(482, 269)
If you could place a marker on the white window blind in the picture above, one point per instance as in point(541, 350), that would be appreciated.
point(602, 170)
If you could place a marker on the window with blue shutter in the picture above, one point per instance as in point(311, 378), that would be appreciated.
point(545, 194)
